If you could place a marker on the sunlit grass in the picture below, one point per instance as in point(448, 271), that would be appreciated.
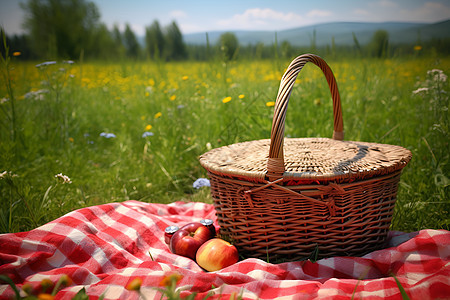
point(163, 116)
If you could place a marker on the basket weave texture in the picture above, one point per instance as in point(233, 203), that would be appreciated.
point(285, 198)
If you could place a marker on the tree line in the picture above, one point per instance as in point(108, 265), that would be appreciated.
point(71, 29)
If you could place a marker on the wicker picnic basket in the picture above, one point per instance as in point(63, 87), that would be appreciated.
point(285, 198)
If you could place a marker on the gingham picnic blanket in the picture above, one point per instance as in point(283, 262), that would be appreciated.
point(103, 248)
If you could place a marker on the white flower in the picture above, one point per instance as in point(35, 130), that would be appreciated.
point(420, 90)
point(438, 75)
point(63, 178)
point(46, 63)
point(6, 174)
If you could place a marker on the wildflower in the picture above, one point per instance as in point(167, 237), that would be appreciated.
point(201, 182)
point(46, 284)
point(241, 96)
point(226, 99)
point(46, 63)
point(438, 75)
point(270, 103)
point(417, 48)
point(64, 179)
point(147, 133)
point(27, 288)
point(108, 135)
point(71, 139)
point(157, 115)
point(134, 285)
point(142, 118)
point(65, 280)
point(69, 62)
point(420, 90)
point(181, 106)
point(171, 279)
point(17, 53)
point(6, 174)
point(4, 100)
point(148, 127)
point(149, 90)
point(45, 296)
point(185, 77)
point(173, 97)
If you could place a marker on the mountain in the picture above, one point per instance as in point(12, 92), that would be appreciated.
point(342, 32)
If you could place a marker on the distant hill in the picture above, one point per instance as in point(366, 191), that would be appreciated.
point(342, 32)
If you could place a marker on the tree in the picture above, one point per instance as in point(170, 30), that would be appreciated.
point(130, 42)
point(154, 40)
point(61, 28)
point(175, 48)
point(286, 50)
point(118, 41)
point(228, 44)
point(380, 43)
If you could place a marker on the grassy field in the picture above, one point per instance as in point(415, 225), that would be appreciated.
point(131, 130)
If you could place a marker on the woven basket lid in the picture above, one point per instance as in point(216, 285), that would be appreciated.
point(305, 158)
point(309, 158)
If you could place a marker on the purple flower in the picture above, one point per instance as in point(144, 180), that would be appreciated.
point(147, 133)
point(200, 183)
point(108, 135)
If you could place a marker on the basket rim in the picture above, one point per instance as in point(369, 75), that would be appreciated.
point(223, 161)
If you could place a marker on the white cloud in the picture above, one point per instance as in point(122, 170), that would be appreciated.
point(254, 18)
point(360, 12)
point(428, 12)
point(387, 4)
point(319, 13)
point(178, 14)
point(386, 11)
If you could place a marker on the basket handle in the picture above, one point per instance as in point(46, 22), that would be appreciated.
point(275, 163)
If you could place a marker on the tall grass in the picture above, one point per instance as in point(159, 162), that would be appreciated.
point(163, 116)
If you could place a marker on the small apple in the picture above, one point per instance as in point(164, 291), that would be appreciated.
point(216, 254)
point(189, 238)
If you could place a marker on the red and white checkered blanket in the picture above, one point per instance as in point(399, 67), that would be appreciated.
point(103, 248)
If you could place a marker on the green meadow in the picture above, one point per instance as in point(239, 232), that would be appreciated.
point(77, 134)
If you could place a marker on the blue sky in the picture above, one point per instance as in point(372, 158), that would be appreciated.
point(208, 15)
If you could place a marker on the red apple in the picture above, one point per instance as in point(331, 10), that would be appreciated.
point(216, 254)
point(189, 238)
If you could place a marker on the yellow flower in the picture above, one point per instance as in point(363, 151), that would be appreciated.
point(241, 96)
point(185, 77)
point(17, 53)
point(270, 103)
point(44, 296)
point(226, 99)
point(27, 288)
point(147, 94)
point(134, 285)
point(158, 115)
point(66, 280)
point(171, 279)
point(173, 97)
point(142, 118)
point(46, 284)
point(71, 139)
point(148, 127)
point(417, 48)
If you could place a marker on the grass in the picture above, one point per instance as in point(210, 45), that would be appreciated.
point(52, 118)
